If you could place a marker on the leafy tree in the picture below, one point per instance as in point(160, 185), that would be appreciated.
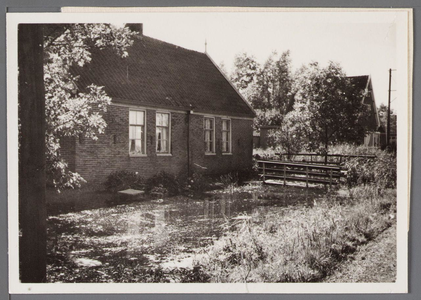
point(245, 74)
point(71, 112)
point(382, 111)
point(268, 88)
point(291, 134)
point(274, 82)
point(329, 105)
point(245, 70)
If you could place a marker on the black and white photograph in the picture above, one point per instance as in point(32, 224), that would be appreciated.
point(209, 150)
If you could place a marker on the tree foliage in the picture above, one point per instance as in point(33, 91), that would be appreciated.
point(267, 87)
point(73, 111)
point(328, 108)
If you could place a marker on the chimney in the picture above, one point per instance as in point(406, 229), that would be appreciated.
point(135, 27)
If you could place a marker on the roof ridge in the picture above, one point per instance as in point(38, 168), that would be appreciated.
point(170, 44)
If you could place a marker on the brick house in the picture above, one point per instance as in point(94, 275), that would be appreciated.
point(172, 110)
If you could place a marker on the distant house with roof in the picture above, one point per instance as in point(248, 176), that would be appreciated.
point(373, 137)
point(172, 110)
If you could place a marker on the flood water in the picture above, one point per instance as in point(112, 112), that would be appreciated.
point(168, 233)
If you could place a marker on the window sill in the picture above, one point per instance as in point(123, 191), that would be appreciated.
point(227, 153)
point(137, 155)
point(163, 154)
point(210, 153)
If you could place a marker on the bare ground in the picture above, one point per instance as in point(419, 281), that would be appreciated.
point(373, 262)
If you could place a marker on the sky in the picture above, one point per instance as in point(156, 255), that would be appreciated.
point(364, 43)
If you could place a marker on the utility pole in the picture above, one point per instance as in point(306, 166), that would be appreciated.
point(388, 110)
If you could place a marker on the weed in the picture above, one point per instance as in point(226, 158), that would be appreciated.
point(303, 246)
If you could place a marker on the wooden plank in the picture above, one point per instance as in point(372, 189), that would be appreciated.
point(303, 179)
point(294, 164)
point(335, 174)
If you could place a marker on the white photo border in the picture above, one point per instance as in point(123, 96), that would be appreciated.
point(404, 39)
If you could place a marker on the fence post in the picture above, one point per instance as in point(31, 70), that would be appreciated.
point(264, 171)
point(330, 182)
point(306, 176)
point(285, 175)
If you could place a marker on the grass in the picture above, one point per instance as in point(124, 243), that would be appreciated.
point(302, 245)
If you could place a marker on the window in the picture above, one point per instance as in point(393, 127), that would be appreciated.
point(226, 136)
point(209, 128)
point(163, 132)
point(137, 133)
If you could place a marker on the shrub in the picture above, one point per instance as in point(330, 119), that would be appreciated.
point(265, 153)
point(380, 171)
point(197, 184)
point(121, 180)
point(165, 181)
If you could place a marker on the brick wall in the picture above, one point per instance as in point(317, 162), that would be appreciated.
point(68, 151)
point(95, 160)
point(242, 147)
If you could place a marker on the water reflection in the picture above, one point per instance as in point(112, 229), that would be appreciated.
point(179, 224)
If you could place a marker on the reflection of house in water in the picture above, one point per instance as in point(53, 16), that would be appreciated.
point(134, 223)
point(160, 232)
point(223, 208)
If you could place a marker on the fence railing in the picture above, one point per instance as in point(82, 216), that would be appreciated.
point(326, 159)
point(302, 172)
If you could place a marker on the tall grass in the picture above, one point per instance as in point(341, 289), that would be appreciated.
point(303, 245)
point(351, 149)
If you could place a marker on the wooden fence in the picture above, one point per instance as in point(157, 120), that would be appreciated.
point(303, 172)
point(329, 159)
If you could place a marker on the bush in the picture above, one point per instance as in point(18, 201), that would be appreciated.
point(197, 184)
point(121, 180)
point(380, 171)
point(165, 181)
point(265, 153)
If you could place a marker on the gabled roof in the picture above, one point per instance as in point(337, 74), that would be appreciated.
point(360, 82)
point(363, 82)
point(162, 75)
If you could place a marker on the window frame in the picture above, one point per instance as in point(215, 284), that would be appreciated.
point(229, 152)
point(168, 153)
point(213, 151)
point(144, 132)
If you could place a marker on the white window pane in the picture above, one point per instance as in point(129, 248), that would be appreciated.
point(158, 119)
point(224, 124)
point(207, 135)
point(140, 117)
point(139, 148)
point(132, 132)
point(164, 133)
point(138, 132)
point(165, 118)
point(164, 146)
point(224, 147)
point(132, 117)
